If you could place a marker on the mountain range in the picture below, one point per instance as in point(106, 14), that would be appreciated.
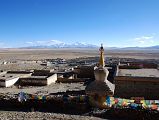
point(65, 45)
point(85, 45)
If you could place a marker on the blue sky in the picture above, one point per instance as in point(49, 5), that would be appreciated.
point(118, 23)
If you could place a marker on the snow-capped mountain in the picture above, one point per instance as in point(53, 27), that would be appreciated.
point(59, 44)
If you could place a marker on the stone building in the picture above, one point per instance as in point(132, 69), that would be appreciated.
point(39, 78)
point(84, 71)
point(139, 82)
point(9, 78)
point(36, 77)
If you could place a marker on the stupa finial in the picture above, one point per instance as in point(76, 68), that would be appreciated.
point(101, 59)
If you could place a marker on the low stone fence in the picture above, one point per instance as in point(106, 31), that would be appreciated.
point(72, 103)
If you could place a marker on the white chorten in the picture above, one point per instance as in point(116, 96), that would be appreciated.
point(100, 86)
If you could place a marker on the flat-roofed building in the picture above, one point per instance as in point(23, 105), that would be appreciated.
point(84, 71)
point(139, 72)
point(36, 77)
point(8, 79)
point(137, 83)
point(38, 80)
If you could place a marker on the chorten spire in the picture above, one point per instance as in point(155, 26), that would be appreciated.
point(101, 59)
point(100, 88)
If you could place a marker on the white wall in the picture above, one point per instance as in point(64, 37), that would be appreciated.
point(51, 79)
point(11, 82)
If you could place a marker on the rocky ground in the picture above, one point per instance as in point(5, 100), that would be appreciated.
point(41, 90)
point(12, 115)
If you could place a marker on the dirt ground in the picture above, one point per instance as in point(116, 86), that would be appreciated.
point(44, 90)
point(8, 115)
point(39, 54)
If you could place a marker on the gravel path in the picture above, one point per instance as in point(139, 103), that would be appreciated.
point(8, 115)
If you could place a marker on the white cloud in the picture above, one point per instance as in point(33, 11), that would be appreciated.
point(144, 39)
point(29, 42)
point(44, 42)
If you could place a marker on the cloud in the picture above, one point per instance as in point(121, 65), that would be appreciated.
point(29, 42)
point(44, 42)
point(144, 39)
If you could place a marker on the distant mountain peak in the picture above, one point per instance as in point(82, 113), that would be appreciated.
point(59, 44)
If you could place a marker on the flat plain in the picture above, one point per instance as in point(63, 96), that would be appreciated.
point(40, 54)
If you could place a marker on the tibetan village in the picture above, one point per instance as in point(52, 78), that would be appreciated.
point(96, 87)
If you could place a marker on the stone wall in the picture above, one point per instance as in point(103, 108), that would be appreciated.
point(127, 87)
point(33, 81)
point(85, 72)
